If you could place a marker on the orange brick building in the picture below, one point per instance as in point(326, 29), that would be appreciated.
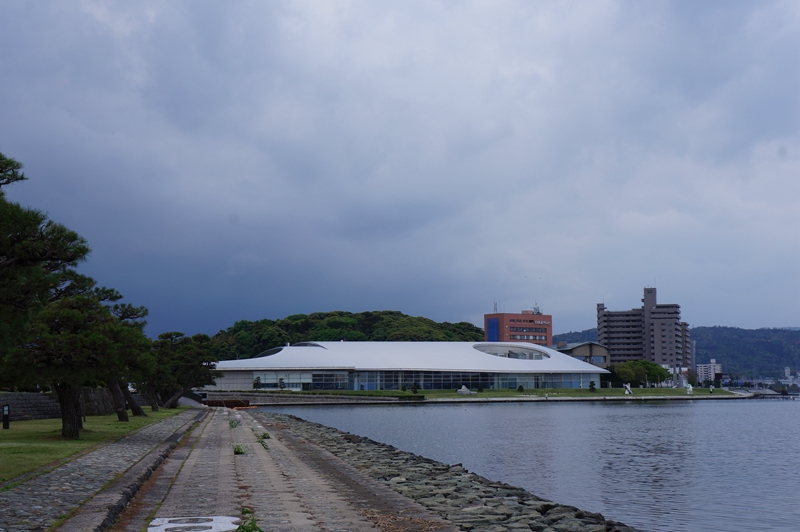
point(528, 326)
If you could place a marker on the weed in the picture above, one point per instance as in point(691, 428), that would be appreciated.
point(233, 423)
point(238, 448)
point(265, 436)
point(263, 444)
point(248, 523)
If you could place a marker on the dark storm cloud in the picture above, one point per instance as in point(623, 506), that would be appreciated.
point(252, 160)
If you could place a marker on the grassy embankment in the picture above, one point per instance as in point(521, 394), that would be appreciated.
point(555, 393)
point(28, 445)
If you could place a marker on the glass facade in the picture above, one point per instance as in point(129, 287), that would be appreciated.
point(281, 380)
point(425, 380)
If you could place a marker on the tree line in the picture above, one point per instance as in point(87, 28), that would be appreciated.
point(246, 339)
point(60, 330)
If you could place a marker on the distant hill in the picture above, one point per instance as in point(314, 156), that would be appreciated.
point(747, 351)
point(763, 352)
point(246, 339)
point(589, 335)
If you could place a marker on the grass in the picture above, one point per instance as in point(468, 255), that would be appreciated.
point(28, 445)
point(260, 439)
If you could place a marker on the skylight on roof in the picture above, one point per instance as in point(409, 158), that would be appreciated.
point(520, 352)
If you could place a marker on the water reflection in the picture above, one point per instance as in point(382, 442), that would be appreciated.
point(705, 465)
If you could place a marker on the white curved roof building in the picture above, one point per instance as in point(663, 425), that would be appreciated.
point(391, 365)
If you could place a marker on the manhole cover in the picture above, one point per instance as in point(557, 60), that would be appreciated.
point(214, 523)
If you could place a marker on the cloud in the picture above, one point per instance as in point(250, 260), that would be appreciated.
point(253, 160)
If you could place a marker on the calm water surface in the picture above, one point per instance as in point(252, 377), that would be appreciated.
point(671, 466)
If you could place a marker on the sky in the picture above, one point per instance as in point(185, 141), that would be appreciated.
point(248, 160)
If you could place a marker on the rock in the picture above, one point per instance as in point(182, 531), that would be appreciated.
point(467, 500)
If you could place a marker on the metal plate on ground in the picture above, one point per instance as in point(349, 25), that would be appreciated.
point(214, 523)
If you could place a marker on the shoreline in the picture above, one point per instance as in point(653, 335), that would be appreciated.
point(322, 400)
point(467, 500)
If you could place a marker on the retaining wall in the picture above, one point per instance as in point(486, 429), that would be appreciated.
point(24, 406)
point(31, 405)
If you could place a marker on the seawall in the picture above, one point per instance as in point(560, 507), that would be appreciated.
point(298, 399)
point(470, 501)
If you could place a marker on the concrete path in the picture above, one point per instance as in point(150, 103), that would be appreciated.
point(283, 483)
point(206, 484)
point(228, 463)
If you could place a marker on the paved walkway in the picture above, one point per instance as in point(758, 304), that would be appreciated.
point(228, 463)
point(35, 505)
point(282, 482)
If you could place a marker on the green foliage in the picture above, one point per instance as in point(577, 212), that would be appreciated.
point(233, 423)
point(78, 339)
point(249, 522)
point(34, 252)
point(640, 372)
point(247, 339)
point(181, 363)
point(592, 387)
point(520, 388)
point(589, 335)
point(238, 448)
point(748, 352)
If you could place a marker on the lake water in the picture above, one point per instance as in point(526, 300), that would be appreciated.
point(666, 466)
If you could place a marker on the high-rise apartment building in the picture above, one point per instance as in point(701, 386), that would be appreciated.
point(653, 332)
point(528, 326)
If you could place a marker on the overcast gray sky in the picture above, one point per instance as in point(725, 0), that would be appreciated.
point(248, 160)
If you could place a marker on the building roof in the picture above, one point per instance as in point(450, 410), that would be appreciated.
point(412, 356)
point(573, 345)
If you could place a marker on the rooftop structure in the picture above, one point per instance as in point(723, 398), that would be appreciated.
point(591, 352)
point(392, 365)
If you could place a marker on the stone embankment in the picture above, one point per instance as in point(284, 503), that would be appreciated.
point(467, 500)
point(25, 406)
